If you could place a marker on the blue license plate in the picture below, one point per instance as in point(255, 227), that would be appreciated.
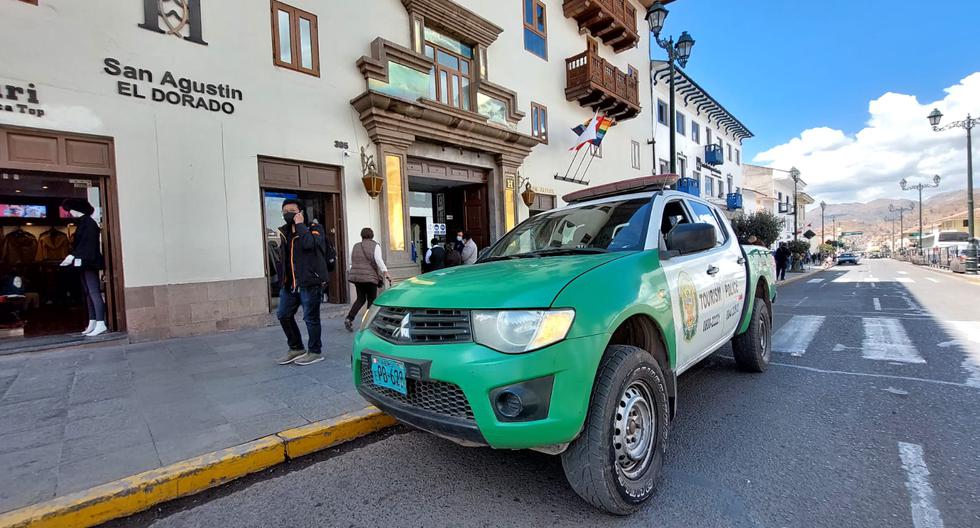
point(389, 373)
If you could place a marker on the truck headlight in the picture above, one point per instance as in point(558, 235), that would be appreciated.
point(369, 316)
point(517, 331)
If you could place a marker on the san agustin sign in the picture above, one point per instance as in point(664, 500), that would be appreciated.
point(178, 91)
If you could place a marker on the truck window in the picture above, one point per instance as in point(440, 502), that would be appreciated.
point(674, 214)
point(703, 214)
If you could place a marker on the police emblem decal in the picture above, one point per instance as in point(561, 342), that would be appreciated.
point(688, 295)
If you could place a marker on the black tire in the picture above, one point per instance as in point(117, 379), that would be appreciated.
point(753, 349)
point(594, 466)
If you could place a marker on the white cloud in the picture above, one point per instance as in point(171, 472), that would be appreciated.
point(896, 143)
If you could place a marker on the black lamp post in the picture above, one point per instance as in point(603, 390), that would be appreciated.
point(919, 186)
point(795, 174)
point(934, 118)
point(823, 209)
point(901, 220)
point(677, 52)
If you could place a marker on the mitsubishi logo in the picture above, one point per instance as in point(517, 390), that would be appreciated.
point(404, 328)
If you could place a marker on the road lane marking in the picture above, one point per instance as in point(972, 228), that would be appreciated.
point(801, 301)
point(905, 280)
point(794, 336)
point(930, 279)
point(922, 498)
point(814, 281)
point(885, 340)
point(967, 335)
point(868, 374)
point(877, 305)
point(903, 273)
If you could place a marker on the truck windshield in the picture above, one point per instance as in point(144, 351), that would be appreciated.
point(608, 226)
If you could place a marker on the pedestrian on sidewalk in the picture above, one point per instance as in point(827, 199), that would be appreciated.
point(368, 273)
point(435, 257)
point(470, 251)
point(782, 258)
point(303, 252)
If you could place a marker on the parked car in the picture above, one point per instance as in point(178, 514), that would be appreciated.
point(957, 260)
point(568, 336)
point(847, 258)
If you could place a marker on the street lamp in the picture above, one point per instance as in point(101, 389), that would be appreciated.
point(919, 186)
point(934, 118)
point(795, 174)
point(677, 52)
point(901, 220)
point(823, 209)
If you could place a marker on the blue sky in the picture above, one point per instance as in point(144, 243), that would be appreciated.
point(783, 66)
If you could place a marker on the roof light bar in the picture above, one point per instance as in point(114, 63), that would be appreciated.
point(656, 182)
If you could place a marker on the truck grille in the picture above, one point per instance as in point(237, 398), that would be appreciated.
point(423, 326)
point(438, 397)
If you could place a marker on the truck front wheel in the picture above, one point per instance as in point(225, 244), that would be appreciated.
point(753, 349)
point(616, 461)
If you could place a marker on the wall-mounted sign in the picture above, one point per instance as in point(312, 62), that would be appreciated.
point(181, 18)
point(439, 229)
point(20, 99)
point(141, 83)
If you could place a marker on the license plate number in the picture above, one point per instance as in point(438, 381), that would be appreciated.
point(389, 373)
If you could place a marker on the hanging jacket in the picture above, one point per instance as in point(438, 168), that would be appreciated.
point(87, 243)
point(303, 256)
point(19, 247)
point(53, 245)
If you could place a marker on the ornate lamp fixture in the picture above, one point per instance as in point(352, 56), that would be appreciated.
point(373, 182)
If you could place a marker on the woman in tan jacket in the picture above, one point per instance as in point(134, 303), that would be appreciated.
point(368, 273)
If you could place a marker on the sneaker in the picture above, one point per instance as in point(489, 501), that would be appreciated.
point(291, 356)
point(309, 358)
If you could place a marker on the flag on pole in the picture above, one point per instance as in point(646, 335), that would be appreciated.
point(592, 131)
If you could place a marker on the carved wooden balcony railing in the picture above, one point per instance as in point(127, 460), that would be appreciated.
point(613, 21)
point(595, 83)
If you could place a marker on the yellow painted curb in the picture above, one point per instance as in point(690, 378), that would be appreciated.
point(321, 435)
point(134, 494)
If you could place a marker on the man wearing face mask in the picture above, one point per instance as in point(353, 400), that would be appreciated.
point(303, 257)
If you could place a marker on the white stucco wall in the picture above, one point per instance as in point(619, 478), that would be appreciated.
point(188, 179)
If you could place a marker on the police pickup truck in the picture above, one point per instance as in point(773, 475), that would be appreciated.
point(568, 335)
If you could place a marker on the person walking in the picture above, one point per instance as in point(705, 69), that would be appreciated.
point(435, 257)
point(368, 273)
point(782, 258)
point(303, 252)
point(469, 252)
point(86, 254)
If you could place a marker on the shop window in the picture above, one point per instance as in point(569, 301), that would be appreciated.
point(536, 28)
point(393, 194)
point(294, 39)
point(539, 122)
point(452, 74)
point(635, 154)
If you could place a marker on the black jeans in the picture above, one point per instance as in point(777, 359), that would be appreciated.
point(366, 291)
point(289, 302)
point(781, 271)
point(93, 295)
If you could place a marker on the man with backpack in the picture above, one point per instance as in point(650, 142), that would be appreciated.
point(304, 256)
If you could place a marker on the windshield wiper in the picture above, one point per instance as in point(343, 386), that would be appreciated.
point(570, 251)
point(509, 257)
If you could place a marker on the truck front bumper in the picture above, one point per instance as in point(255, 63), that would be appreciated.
point(453, 389)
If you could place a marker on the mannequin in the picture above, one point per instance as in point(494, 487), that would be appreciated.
point(86, 254)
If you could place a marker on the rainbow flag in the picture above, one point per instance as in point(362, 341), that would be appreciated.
point(592, 131)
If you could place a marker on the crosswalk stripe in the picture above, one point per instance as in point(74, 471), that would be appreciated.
point(795, 336)
point(904, 279)
point(930, 279)
point(921, 497)
point(968, 334)
point(903, 273)
point(885, 340)
point(814, 281)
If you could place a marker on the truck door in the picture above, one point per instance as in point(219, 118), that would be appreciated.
point(731, 266)
point(694, 294)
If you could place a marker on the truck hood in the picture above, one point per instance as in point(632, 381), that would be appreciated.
point(517, 283)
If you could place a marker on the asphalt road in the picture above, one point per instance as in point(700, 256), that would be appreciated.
point(869, 416)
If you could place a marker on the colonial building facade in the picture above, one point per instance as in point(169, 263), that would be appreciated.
point(186, 125)
point(774, 190)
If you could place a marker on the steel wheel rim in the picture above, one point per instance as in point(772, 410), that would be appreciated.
point(764, 339)
point(634, 429)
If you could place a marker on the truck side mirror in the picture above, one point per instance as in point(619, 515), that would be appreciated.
point(691, 238)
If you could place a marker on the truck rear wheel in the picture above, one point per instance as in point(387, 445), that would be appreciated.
point(753, 349)
point(616, 461)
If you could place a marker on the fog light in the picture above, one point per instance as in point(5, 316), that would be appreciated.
point(509, 404)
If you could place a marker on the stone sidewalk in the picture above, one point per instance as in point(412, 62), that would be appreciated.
point(70, 420)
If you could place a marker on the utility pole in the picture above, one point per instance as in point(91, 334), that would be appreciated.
point(901, 221)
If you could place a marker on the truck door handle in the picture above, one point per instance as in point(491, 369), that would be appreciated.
point(712, 270)
point(741, 260)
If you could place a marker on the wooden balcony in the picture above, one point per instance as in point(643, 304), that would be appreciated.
point(595, 83)
point(612, 21)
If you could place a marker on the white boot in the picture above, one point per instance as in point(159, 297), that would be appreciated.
point(90, 327)
point(99, 329)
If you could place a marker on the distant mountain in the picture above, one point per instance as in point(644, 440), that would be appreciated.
point(871, 217)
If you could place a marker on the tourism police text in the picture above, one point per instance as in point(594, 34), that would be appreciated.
point(184, 92)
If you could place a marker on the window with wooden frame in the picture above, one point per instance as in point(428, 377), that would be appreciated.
point(452, 73)
point(635, 154)
point(539, 122)
point(536, 28)
point(294, 39)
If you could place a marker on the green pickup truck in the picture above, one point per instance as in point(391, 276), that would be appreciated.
point(568, 336)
